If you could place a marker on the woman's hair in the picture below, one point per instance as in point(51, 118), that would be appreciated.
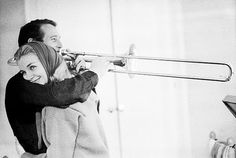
point(49, 58)
point(33, 30)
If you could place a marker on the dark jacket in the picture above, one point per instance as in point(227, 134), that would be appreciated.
point(23, 99)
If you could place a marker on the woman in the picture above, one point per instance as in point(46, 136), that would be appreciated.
point(72, 132)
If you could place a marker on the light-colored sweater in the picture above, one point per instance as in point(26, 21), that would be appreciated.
point(74, 132)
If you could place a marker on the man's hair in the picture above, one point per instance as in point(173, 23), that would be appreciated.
point(33, 30)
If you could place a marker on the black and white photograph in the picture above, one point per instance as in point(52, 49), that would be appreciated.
point(117, 79)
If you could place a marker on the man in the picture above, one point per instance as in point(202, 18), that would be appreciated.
point(21, 95)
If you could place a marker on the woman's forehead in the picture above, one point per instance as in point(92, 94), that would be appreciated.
point(27, 59)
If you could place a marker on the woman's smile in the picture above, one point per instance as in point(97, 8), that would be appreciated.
point(32, 69)
point(35, 79)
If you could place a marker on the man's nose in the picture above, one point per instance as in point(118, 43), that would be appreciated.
point(59, 44)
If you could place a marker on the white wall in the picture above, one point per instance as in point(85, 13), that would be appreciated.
point(12, 17)
point(209, 34)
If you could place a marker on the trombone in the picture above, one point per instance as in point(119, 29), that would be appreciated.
point(123, 61)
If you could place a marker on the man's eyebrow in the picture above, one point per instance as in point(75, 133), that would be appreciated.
point(53, 36)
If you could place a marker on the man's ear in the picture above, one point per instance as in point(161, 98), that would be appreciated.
point(30, 39)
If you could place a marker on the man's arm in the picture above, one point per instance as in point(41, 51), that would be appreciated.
point(58, 94)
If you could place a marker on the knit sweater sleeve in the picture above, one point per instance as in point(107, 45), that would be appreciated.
point(58, 94)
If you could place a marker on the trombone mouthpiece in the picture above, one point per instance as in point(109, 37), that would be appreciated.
point(67, 54)
point(62, 51)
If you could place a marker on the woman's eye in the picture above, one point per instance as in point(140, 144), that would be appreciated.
point(32, 67)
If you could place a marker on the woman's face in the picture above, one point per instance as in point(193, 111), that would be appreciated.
point(32, 69)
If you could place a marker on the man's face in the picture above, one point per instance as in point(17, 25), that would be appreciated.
point(51, 36)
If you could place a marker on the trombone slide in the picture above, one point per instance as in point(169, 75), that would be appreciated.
point(123, 60)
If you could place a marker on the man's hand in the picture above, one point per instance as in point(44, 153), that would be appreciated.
point(80, 64)
point(74, 61)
